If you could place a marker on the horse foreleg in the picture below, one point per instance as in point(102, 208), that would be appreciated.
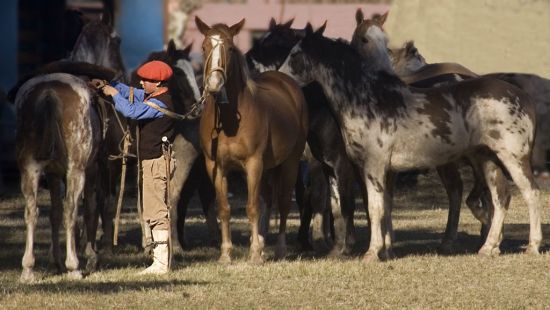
point(207, 195)
point(56, 215)
point(387, 223)
point(185, 155)
point(30, 173)
point(75, 184)
point(317, 206)
point(286, 182)
point(375, 183)
point(450, 177)
point(219, 179)
point(254, 169)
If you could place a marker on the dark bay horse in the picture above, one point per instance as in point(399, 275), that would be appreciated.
point(389, 127)
point(99, 43)
point(261, 127)
point(59, 133)
point(325, 142)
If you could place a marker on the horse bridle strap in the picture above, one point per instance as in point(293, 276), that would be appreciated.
point(209, 57)
point(169, 113)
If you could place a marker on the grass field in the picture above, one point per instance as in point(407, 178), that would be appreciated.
point(419, 278)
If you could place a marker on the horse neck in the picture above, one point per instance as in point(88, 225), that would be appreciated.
point(360, 94)
point(237, 77)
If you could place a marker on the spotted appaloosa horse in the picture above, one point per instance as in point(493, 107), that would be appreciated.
point(59, 133)
point(389, 127)
point(421, 74)
point(479, 199)
point(262, 127)
point(326, 144)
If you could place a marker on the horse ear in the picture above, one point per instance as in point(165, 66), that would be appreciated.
point(359, 17)
point(308, 29)
point(235, 29)
point(187, 49)
point(107, 18)
point(272, 23)
point(202, 26)
point(289, 23)
point(321, 29)
point(382, 18)
point(171, 48)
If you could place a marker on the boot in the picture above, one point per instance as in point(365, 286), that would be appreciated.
point(160, 254)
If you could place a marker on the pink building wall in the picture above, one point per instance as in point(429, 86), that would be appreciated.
point(340, 17)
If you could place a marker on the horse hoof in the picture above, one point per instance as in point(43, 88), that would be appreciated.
point(388, 255)
point(91, 264)
point(486, 251)
point(532, 250)
point(27, 276)
point(75, 275)
point(224, 259)
point(256, 259)
point(280, 253)
point(446, 248)
point(336, 252)
point(370, 258)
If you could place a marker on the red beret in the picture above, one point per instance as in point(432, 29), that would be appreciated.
point(155, 70)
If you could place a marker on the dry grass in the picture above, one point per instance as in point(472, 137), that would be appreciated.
point(419, 278)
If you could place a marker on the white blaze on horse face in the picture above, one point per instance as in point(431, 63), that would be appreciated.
point(215, 78)
point(190, 75)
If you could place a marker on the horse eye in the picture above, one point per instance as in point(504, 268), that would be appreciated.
point(365, 40)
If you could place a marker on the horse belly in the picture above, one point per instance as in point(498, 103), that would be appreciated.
point(429, 145)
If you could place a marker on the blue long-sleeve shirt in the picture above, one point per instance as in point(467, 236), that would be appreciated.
point(136, 110)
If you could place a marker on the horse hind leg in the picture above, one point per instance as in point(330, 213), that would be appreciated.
point(56, 215)
point(496, 183)
point(90, 218)
point(522, 174)
point(450, 177)
point(75, 185)
point(30, 173)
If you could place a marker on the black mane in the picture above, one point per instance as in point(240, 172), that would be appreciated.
point(345, 62)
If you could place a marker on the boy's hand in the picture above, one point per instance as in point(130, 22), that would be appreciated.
point(109, 90)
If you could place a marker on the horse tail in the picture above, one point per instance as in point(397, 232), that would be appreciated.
point(48, 126)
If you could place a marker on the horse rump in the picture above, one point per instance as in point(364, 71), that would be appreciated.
point(47, 125)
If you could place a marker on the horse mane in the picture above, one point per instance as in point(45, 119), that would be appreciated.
point(345, 59)
point(336, 54)
point(238, 68)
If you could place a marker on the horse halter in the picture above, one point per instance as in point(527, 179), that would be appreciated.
point(221, 69)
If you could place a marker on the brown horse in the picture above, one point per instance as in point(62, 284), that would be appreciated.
point(261, 127)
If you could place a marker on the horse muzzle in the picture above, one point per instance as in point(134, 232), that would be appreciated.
point(215, 82)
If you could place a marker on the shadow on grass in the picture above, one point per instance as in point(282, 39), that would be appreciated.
point(115, 287)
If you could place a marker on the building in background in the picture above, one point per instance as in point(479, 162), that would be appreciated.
point(485, 36)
